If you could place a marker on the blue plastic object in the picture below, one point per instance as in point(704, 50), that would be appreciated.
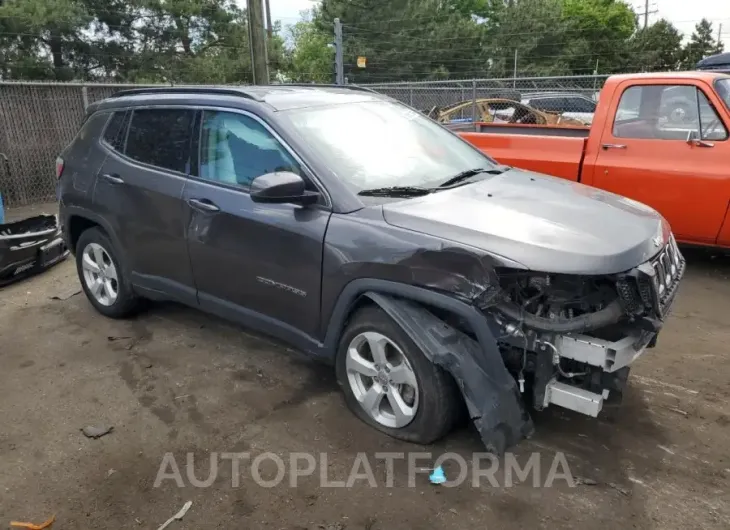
point(437, 477)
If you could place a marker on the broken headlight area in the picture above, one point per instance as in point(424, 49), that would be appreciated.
point(569, 340)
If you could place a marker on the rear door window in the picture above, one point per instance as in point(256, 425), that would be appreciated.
point(161, 138)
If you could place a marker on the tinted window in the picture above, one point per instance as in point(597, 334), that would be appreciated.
point(548, 104)
point(375, 144)
point(235, 149)
point(116, 131)
point(579, 105)
point(161, 137)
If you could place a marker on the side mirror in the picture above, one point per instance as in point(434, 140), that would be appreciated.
point(281, 187)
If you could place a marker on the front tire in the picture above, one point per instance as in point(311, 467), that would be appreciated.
point(390, 384)
point(102, 277)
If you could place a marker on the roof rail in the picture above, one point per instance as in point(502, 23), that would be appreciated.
point(328, 85)
point(186, 90)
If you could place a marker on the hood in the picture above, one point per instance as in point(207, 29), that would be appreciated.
point(545, 223)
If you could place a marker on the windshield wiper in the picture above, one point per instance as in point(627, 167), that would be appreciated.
point(397, 191)
point(459, 177)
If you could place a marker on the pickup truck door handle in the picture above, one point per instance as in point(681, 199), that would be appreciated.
point(113, 178)
point(203, 205)
point(614, 146)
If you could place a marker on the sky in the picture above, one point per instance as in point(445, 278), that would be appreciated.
point(684, 14)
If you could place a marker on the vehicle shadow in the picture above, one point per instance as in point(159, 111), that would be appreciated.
point(713, 262)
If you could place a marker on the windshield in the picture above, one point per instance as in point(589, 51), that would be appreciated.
point(723, 88)
point(379, 144)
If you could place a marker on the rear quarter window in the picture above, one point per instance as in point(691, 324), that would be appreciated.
point(116, 131)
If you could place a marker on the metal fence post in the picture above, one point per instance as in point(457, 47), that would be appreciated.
point(339, 66)
point(410, 96)
point(85, 96)
point(474, 102)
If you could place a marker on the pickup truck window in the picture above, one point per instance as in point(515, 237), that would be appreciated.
point(666, 112)
point(711, 126)
point(723, 89)
point(375, 144)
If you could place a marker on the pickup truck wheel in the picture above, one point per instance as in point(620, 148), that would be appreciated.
point(390, 384)
point(101, 276)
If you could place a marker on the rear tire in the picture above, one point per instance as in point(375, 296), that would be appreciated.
point(421, 410)
point(102, 276)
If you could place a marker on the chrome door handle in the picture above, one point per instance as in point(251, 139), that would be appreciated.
point(113, 178)
point(203, 205)
point(614, 146)
point(703, 143)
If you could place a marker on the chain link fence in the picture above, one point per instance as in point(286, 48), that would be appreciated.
point(38, 120)
point(569, 100)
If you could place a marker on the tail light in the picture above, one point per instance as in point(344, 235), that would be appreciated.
point(59, 167)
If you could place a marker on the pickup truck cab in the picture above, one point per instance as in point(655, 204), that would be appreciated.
point(660, 139)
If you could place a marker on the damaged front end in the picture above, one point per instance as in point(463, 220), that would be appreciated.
point(29, 246)
point(569, 339)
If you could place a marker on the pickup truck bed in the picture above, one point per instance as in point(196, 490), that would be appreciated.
point(534, 147)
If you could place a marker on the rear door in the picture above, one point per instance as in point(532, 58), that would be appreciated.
point(645, 154)
point(259, 264)
point(139, 191)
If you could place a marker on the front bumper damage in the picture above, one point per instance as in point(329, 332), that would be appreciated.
point(500, 365)
point(489, 390)
point(652, 288)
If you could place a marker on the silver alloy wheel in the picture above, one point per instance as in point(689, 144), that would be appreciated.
point(382, 380)
point(100, 274)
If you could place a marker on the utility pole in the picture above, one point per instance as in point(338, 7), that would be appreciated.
point(339, 66)
point(719, 35)
point(257, 42)
point(269, 28)
point(646, 13)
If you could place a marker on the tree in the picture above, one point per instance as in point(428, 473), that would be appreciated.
point(655, 48)
point(181, 41)
point(702, 44)
point(311, 56)
point(408, 39)
point(560, 37)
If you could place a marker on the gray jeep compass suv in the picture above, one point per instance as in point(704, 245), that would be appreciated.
point(367, 235)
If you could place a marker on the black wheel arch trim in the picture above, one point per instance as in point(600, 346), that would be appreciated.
point(489, 390)
point(75, 211)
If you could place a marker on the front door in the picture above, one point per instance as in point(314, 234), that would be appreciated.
point(139, 190)
point(668, 148)
point(260, 264)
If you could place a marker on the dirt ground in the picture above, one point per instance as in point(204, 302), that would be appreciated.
point(177, 381)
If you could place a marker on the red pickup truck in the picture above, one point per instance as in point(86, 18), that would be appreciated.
point(660, 139)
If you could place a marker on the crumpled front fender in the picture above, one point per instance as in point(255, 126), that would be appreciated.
point(490, 392)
